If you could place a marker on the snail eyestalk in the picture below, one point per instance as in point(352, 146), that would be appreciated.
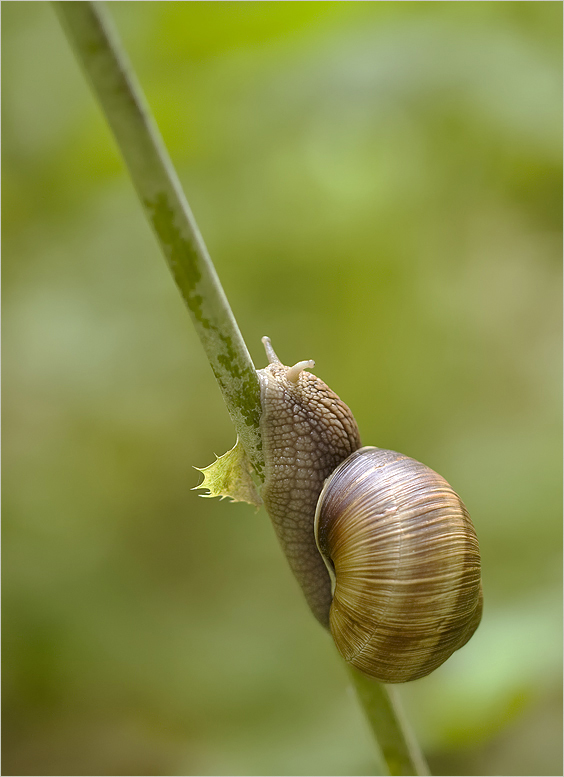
point(294, 372)
point(270, 353)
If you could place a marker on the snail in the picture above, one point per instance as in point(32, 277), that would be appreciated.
point(382, 547)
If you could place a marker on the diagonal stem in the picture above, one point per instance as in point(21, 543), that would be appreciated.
point(101, 55)
point(399, 749)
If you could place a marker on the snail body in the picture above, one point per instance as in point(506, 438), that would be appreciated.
point(306, 431)
point(382, 547)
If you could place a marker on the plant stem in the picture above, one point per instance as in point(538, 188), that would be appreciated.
point(101, 55)
point(399, 748)
point(98, 50)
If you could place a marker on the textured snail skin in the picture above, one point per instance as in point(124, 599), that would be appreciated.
point(306, 432)
point(406, 565)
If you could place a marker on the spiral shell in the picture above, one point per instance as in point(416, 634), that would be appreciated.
point(404, 562)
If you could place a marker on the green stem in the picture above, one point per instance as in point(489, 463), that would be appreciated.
point(100, 53)
point(399, 748)
point(98, 50)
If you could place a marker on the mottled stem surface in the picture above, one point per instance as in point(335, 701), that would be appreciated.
point(102, 57)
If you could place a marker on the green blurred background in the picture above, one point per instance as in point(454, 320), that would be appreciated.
point(379, 185)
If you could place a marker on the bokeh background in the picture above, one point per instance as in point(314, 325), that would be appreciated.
point(379, 185)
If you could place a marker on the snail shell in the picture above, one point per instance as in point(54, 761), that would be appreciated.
point(382, 547)
point(405, 563)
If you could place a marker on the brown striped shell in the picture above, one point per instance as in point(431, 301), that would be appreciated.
point(404, 561)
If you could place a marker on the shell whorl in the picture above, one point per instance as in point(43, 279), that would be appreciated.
point(405, 562)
